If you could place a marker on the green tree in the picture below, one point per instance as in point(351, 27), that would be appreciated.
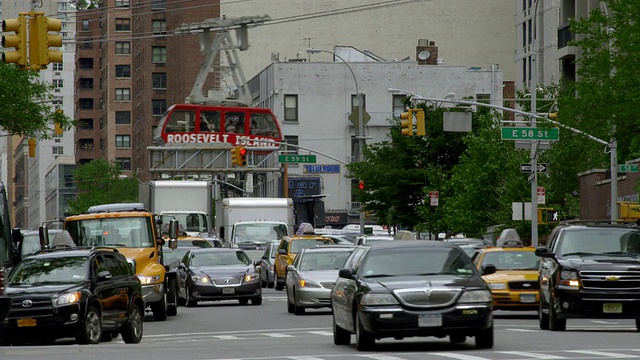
point(26, 104)
point(98, 182)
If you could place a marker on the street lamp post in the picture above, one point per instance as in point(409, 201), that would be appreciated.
point(361, 136)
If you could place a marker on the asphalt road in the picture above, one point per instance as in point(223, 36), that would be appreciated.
point(227, 330)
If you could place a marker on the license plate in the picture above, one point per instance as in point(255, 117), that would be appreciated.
point(26, 322)
point(228, 290)
point(430, 320)
point(527, 298)
point(612, 308)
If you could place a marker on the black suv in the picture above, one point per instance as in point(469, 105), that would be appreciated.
point(589, 271)
point(87, 293)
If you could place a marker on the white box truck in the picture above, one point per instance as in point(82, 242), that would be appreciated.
point(251, 222)
point(189, 202)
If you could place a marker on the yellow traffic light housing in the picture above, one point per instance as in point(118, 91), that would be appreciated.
point(242, 156)
point(41, 40)
point(58, 129)
point(32, 147)
point(234, 156)
point(406, 123)
point(17, 41)
point(420, 125)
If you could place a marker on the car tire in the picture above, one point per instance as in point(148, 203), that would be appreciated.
point(457, 339)
point(555, 323)
point(484, 339)
point(172, 310)
point(638, 324)
point(290, 307)
point(132, 332)
point(340, 335)
point(243, 301)
point(159, 309)
point(256, 300)
point(263, 283)
point(91, 331)
point(278, 285)
point(543, 318)
point(107, 336)
point(189, 301)
point(298, 310)
point(270, 284)
point(364, 339)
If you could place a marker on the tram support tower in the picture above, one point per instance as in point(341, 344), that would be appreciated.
point(222, 42)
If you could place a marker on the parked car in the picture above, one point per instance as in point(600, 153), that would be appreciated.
point(406, 288)
point(589, 270)
point(514, 285)
point(87, 293)
point(265, 267)
point(312, 275)
point(219, 274)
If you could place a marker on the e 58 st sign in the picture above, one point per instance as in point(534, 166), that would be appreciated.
point(526, 133)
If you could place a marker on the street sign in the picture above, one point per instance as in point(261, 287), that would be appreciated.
point(541, 192)
point(526, 168)
point(354, 117)
point(297, 159)
point(628, 168)
point(526, 133)
point(433, 198)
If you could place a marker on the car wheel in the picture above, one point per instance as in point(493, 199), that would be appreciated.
point(457, 339)
point(290, 308)
point(172, 310)
point(132, 332)
point(243, 301)
point(340, 335)
point(543, 318)
point(364, 339)
point(555, 323)
point(190, 302)
point(484, 339)
point(279, 286)
point(638, 324)
point(270, 284)
point(256, 300)
point(159, 308)
point(263, 283)
point(106, 336)
point(298, 310)
point(91, 330)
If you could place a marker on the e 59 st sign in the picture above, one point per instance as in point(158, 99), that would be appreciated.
point(526, 133)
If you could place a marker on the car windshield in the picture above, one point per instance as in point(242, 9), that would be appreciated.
point(417, 261)
point(30, 244)
point(600, 240)
point(201, 243)
point(324, 260)
point(63, 270)
point(259, 232)
point(298, 245)
point(170, 256)
point(512, 260)
point(220, 258)
point(133, 232)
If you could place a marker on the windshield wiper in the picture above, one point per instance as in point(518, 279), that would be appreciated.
point(379, 275)
point(579, 253)
point(622, 253)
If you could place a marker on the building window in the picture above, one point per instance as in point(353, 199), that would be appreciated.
point(57, 83)
point(85, 124)
point(86, 44)
point(123, 47)
point(123, 94)
point(354, 101)
point(123, 117)
point(122, 3)
point(159, 106)
point(293, 140)
point(85, 63)
point(291, 108)
point(123, 71)
point(57, 150)
point(57, 66)
point(398, 106)
point(86, 83)
point(159, 54)
point(86, 104)
point(123, 141)
point(158, 4)
point(159, 26)
point(123, 24)
point(85, 25)
point(124, 163)
point(159, 80)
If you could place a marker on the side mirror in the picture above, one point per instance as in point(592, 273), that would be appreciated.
point(291, 268)
point(16, 235)
point(173, 243)
point(43, 232)
point(488, 269)
point(160, 241)
point(544, 252)
point(346, 273)
point(104, 275)
point(282, 252)
point(173, 229)
point(257, 263)
point(265, 257)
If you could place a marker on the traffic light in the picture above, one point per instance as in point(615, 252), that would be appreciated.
point(32, 147)
point(553, 116)
point(407, 122)
point(420, 126)
point(361, 184)
point(41, 40)
point(58, 130)
point(234, 156)
point(242, 156)
point(552, 216)
point(17, 41)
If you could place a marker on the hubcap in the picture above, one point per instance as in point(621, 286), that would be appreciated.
point(93, 326)
point(137, 322)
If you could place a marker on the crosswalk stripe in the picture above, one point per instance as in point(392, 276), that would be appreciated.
point(277, 335)
point(381, 357)
point(226, 337)
point(303, 358)
point(324, 333)
point(602, 353)
point(523, 330)
point(459, 356)
point(532, 355)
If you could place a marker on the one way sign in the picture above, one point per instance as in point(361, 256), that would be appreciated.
point(526, 168)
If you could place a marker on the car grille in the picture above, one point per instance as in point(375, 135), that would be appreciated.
point(39, 307)
point(629, 280)
point(524, 285)
point(227, 281)
point(327, 285)
point(427, 297)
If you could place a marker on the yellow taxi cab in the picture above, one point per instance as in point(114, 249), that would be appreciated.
point(514, 285)
point(289, 247)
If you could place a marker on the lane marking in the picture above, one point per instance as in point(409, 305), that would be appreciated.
point(277, 335)
point(381, 357)
point(324, 333)
point(226, 337)
point(459, 356)
point(602, 353)
point(523, 330)
point(532, 355)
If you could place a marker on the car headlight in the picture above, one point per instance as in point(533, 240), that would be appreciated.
point(308, 283)
point(475, 296)
point(569, 278)
point(146, 280)
point(250, 277)
point(201, 279)
point(69, 298)
point(378, 299)
point(498, 286)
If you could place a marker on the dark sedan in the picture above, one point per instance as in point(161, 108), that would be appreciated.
point(220, 274)
point(406, 288)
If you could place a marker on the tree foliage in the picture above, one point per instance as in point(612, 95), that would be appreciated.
point(98, 183)
point(26, 104)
